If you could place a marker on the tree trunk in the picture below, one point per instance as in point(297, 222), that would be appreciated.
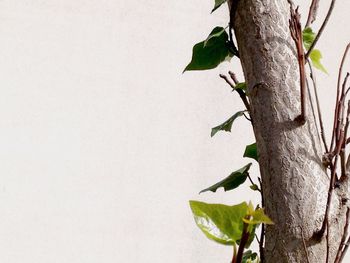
point(295, 182)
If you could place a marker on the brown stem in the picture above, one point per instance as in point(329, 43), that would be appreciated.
point(242, 243)
point(337, 99)
point(296, 32)
point(234, 257)
point(345, 233)
point(319, 113)
point(331, 188)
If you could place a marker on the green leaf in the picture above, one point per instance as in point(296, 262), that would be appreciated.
point(209, 53)
point(308, 37)
point(221, 223)
point(315, 57)
point(218, 3)
point(234, 180)
point(258, 217)
point(216, 32)
point(251, 152)
point(250, 257)
point(227, 125)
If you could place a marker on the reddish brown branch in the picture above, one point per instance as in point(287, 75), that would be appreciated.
point(319, 113)
point(296, 32)
point(337, 98)
point(342, 242)
point(242, 243)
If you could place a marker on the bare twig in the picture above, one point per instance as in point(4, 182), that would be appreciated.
point(342, 242)
point(321, 29)
point(327, 241)
point(296, 32)
point(233, 77)
point(239, 91)
point(224, 77)
point(312, 12)
point(338, 94)
point(319, 113)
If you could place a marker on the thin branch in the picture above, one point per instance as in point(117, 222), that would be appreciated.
point(239, 91)
point(321, 29)
point(327, 241)
point(312, 106)
point(342, 242)
point(338, 94)
point(331, 188)
point(312, 12)
point(319, 113)
point(224, 77)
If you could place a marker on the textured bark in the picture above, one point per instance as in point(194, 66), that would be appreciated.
point(295, 182)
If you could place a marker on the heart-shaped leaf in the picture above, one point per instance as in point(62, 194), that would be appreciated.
point(209, 53)
point(221, 223)
point(234, 180)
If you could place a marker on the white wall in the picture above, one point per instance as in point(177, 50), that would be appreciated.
point(103, 141)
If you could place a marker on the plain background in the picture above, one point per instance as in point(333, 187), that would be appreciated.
point(103, 140)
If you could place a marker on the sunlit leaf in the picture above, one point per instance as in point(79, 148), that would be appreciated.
point(227, 125)
point(308, 37)
point(316, 57)
point(234, 180)
point(258, 217)
point(221, 223)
